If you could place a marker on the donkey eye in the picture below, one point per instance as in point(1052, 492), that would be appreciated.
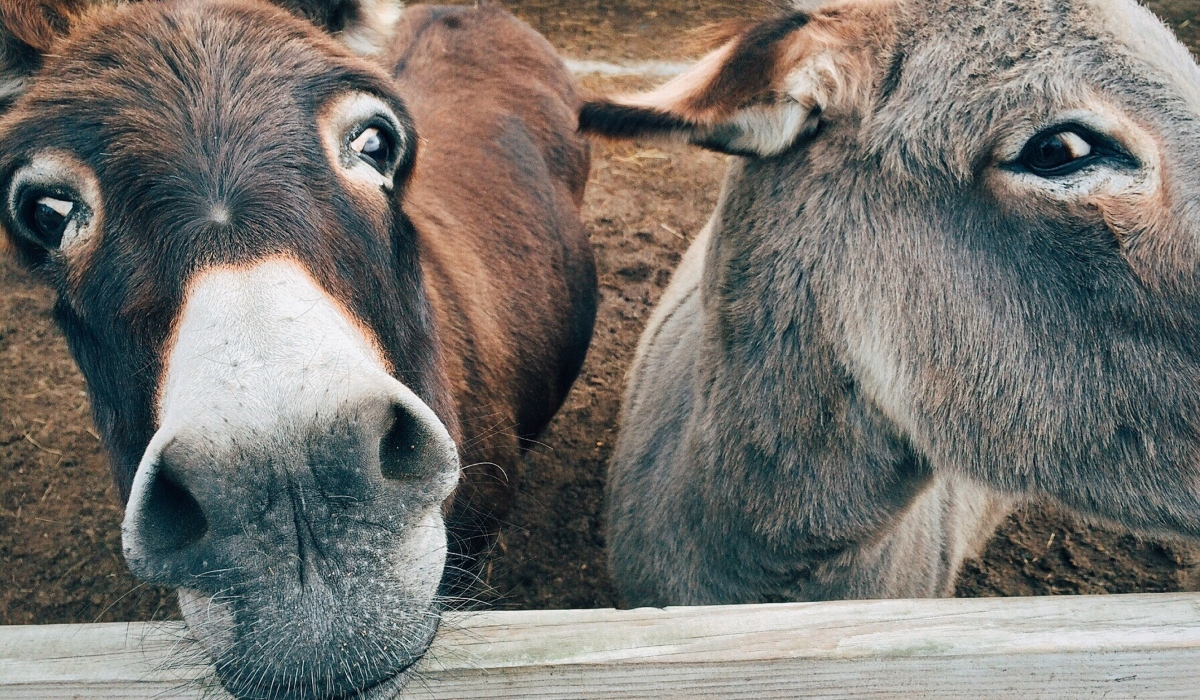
point(1061, 152)
point(374, 146)
point(46, 217)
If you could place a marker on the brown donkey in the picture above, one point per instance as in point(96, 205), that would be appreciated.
point(303, 286)
point(956, 263)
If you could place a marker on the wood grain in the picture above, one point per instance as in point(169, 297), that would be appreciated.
point(1131, 646)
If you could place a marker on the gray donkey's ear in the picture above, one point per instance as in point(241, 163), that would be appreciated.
point(365, 26)
point(29, 29)
point(765, 88)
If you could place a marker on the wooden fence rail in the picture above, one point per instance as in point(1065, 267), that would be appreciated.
point(1131, 646)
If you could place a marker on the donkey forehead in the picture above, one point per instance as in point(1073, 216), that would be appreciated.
point(963, 76)
point(198, 118)
point(145, 67)
point(1104, 43)
point(1144, 37)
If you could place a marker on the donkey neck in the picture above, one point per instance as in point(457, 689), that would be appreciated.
point(796, 447)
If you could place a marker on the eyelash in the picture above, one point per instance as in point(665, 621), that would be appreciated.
point(1102, 148)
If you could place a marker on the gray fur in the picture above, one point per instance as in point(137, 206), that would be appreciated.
point(872, 352)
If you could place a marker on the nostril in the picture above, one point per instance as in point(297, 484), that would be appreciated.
point(173, 519)
point(401, 447)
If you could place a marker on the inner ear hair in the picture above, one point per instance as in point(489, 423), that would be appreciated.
point(37, 24)
point(29, 29)
point(765, 88)
point(364, 26)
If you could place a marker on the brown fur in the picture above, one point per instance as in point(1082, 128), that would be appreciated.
point(467, 267)
point(29, 28)
point(39, 23)
point(497, 350)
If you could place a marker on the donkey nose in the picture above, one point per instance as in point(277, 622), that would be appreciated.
point(208, 493)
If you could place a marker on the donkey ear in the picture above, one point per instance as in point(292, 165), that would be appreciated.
point(762, 90)
point(365, 26)
point(28, 29)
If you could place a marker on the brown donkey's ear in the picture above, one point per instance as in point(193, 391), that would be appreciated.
point(28, 29)
point(765, 88)
point(365, 26)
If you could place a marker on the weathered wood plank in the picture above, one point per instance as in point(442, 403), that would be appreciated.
point(1138, 646)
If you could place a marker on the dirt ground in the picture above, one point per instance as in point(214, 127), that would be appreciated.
point(60, 548)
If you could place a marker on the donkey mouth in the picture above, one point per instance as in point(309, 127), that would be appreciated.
point(317, 660)
point(385, 688)
point(390, 687)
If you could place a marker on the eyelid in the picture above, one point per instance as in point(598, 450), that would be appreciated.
point(360, 141)
point(1099, 146)
point(58, 176)
point(1076, 144)
point(62, 206)
point(1097, 122)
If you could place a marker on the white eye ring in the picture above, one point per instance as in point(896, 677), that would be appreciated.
point(350, 149)
point(44, 184)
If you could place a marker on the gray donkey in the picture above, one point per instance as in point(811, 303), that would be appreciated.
point(957, 264)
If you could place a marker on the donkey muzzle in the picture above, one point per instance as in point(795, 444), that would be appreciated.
point(293, 490)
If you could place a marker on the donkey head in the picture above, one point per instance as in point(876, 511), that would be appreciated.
point(991, 211)
point(214, 188)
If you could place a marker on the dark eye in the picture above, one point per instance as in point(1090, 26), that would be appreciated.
point(46, 216)
point(374, 145)
point(1061, 152)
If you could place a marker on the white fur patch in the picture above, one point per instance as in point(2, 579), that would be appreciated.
point(258, 350)
point(372, 35)
point(1150, 40)
point(261, 345)
point(877, 363)
point(767, 130)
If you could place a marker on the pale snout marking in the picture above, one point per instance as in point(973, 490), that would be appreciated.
point(257, 349)
point(270, 336)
